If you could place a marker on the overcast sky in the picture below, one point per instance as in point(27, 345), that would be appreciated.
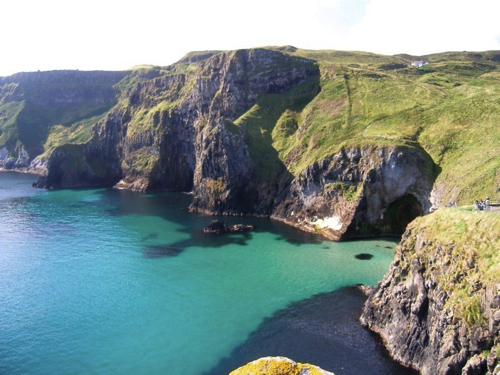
point(116, 35)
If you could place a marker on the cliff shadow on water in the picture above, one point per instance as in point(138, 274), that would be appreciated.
point(174, 206)
point(323, 330)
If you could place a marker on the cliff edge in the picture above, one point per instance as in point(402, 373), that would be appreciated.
point(438, 306)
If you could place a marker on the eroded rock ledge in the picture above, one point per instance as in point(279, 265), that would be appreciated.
point(359, 191)
point(438, 306)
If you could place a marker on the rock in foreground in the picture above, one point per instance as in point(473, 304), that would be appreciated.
point(279, 366)
point(219, 227)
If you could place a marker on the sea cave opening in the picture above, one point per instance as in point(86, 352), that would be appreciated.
point(400, 213)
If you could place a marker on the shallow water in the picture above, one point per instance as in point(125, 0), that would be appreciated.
point(104, 281)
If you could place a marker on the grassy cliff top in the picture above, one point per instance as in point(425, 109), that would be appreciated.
point(448, 109)
point(472, 232)
point(464, 245)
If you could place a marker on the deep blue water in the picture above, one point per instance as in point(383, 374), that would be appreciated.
point(106, 281)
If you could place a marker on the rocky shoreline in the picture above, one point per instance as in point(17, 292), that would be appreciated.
point(438, 307)
point(23, 170)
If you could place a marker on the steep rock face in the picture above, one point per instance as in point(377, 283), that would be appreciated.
point(222, 180)
point(359, 191)
point(9, 161)
point(175, 132)
point(438, 307)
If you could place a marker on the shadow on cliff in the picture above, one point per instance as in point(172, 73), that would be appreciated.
point(173, 208)
point(272, 120)
point(323, 330)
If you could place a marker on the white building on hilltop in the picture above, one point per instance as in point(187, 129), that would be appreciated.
point(419, 63)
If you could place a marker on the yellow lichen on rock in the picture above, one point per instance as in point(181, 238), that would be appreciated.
point(278, 366)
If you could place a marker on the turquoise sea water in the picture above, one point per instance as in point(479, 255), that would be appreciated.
point(112, 282)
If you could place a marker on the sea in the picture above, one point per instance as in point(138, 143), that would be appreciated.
point(106, 281)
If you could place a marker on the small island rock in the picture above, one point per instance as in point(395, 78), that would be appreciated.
point(219, 227)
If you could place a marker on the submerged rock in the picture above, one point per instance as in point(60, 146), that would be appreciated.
point(219, 227)
point(279, 366)
point(363, 256)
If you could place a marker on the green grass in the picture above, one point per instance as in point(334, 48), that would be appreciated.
point(35, 122)
point(469, 308)
point(470, 239)
point(350, 192)
point(140, 161)
point(196, 56)
point(473, 232)
point(449, 110)
point(8, 124)
point(77, 133)
point(339, 57)
point(352, 109)
point(34, 105)
point(269, 124)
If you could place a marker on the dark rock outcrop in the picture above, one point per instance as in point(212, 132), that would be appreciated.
point(219, 227)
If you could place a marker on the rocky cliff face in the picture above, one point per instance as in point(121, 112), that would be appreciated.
point(18, 159)
point(211, 127)
point(438, 307)
point(359, 191)
point(32, 103)
point(175, 131)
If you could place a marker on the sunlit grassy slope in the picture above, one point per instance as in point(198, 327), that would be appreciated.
point(41, 105)
point(450, 108)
